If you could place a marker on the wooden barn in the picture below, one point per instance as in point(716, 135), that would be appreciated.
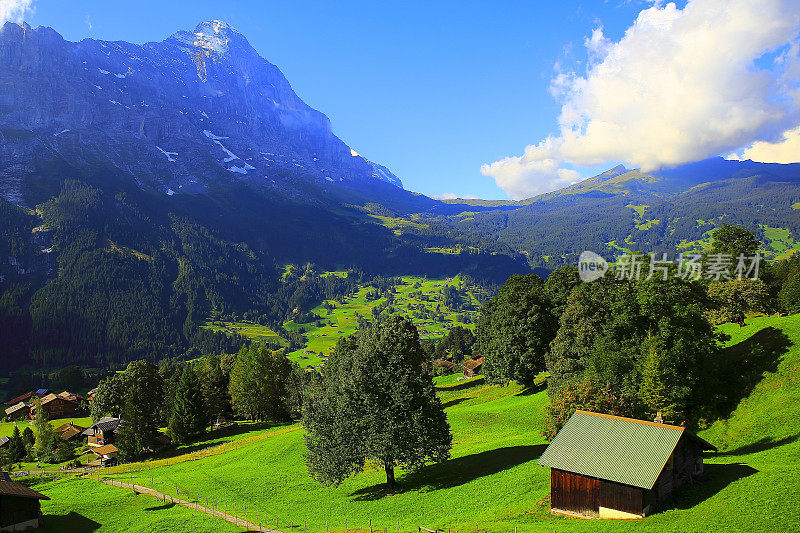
point(605, 466)
point(20, 509)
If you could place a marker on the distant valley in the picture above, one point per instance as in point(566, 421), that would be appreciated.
point(146, 188)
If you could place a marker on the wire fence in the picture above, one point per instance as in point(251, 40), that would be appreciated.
point(255, 520)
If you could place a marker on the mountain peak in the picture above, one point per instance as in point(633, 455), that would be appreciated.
point(215, 36)
point(214, 28)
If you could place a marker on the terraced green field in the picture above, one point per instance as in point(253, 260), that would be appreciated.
point(780, 242)
point(343, 319)
point(412, 295)
point(248, 329)
point(493, 483)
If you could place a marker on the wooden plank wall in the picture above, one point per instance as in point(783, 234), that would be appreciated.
point(574, 493)
point(621, 497)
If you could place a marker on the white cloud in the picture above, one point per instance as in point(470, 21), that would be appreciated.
point(523, 177)
point(679, 86)
point(787, 150)
point(14, 10)
point(453, 196)
point(88, 21)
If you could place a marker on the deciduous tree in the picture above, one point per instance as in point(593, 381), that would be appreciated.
point(514, 330)
point(258, 384)
point(375, 402)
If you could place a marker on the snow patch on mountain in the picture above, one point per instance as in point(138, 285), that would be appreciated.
point(212, 136)
point(170, 155)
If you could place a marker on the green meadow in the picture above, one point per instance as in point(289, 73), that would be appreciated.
point(7, 428)
point(781, 244)
point(247, 329)
point(84, 506)
point(491, 483)
point(413, 294)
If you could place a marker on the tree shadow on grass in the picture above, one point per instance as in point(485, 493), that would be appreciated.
point(454, 401)
point(533, 389)
point(234, 431)
point(743, 365)
point(455, 472)
point(69, 522)
point(717, 477)
point(760, 446)
point(163, 507)
point(462, 386)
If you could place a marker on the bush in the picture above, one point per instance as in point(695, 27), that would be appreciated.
point(586, 395)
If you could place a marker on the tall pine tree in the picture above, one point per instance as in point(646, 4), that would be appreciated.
point(189, 415)
point(16, 448)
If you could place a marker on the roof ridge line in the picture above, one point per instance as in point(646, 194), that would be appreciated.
point(626, 419)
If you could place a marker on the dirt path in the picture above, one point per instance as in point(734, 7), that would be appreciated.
point(193, 505)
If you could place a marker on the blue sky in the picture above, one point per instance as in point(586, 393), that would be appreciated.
point(435, 90)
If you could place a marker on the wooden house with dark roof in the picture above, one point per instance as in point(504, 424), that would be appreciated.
point(20, 509)
point(605, 466)
point(102, 432)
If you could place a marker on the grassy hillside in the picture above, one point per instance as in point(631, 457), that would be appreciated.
point(250, 330)
point(7, 428)
point(82, 506)
point(493, 483)
point(414, 295)
point(416, 298)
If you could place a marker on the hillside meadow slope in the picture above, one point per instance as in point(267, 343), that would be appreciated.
point(492, 482)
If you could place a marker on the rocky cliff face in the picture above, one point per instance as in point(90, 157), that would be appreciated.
point(178, 116)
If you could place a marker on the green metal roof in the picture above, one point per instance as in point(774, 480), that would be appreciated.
point(624, 450)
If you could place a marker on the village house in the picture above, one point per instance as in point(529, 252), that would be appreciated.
point(605, 466)
point(446, 366)
point(56, 406)
point(102, 432)
point(70, 431)
point(4, 442)
point(23, 407)
point(473, 367)
point(27, 397)
point(104, 455)
point(20, 411)
point(20, 509)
